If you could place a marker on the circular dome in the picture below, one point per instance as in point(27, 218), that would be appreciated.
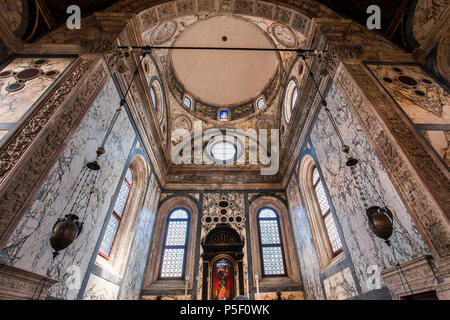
point(224, 77)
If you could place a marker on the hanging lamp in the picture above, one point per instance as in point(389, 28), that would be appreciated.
point(67, 228)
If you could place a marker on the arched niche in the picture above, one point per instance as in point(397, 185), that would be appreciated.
point(222, 242)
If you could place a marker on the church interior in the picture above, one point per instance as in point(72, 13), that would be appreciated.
point(224, 150)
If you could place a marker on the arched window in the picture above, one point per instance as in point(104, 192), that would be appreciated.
point(270, 243)
point(223, 151)
point(260, 103)
point(325, 235)
point(325, 211)
point(290, 99)
point(175, 244)
point(157, 96)
point(117, 215)
point(187, 101)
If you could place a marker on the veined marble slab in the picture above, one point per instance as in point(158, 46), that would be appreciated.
point(29, 247)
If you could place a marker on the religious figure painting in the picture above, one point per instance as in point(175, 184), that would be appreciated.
point(223, 280)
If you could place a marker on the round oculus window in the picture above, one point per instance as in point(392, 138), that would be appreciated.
point(223, 151)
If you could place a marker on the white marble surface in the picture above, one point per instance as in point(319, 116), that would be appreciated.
point(13, 105)
point(309, 265)
point(100, 289)
point(137, 262)
point(364, 247)
point(29, 247)
point(340, 286)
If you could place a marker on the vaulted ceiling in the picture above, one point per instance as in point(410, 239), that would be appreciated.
point(42, 16)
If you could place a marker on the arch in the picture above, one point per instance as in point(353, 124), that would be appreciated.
point(326, 256)
point(270, 243)
point(290, 99)
point(223, 242)
point(152, 274)
point(116, 260)
point(174, 245)
point(157, 97)
point(292, 275)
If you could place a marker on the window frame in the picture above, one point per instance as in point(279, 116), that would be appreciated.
point(185, 247)
point(115, 215)
point(288, 107)
point(327, 213)
point(319, 232)
point(261, 245)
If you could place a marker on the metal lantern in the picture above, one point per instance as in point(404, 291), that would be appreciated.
point(64, 232)
point(381, 222)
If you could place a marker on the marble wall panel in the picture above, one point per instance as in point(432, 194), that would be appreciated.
point(340, 286)
point(364, 247)
point(309, 264)
point(137, 262)
point(100, 289)
point(28, 247)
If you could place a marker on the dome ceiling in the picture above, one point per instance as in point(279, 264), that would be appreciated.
point(246, 83)
point(224, 78)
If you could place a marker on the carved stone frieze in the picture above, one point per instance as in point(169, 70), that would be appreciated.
point(29, 154)
point(18, 284)
point(419, 276)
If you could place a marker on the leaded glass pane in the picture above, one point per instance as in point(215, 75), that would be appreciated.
point(223, 151)
point(176, 233)
point(323, 201)
point(121, 199)
point(267, 213)
point(273, 260)
point(109, 236)
point(172, 265)
point(333, 233)
point(179, 214)
point(269, 232)
point(129, 176)
point(315, 176)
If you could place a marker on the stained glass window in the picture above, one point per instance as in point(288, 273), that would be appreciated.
point(117, 215)
point(223, 115)
point(173, 256)
point(270, 241)
point(324, 205)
